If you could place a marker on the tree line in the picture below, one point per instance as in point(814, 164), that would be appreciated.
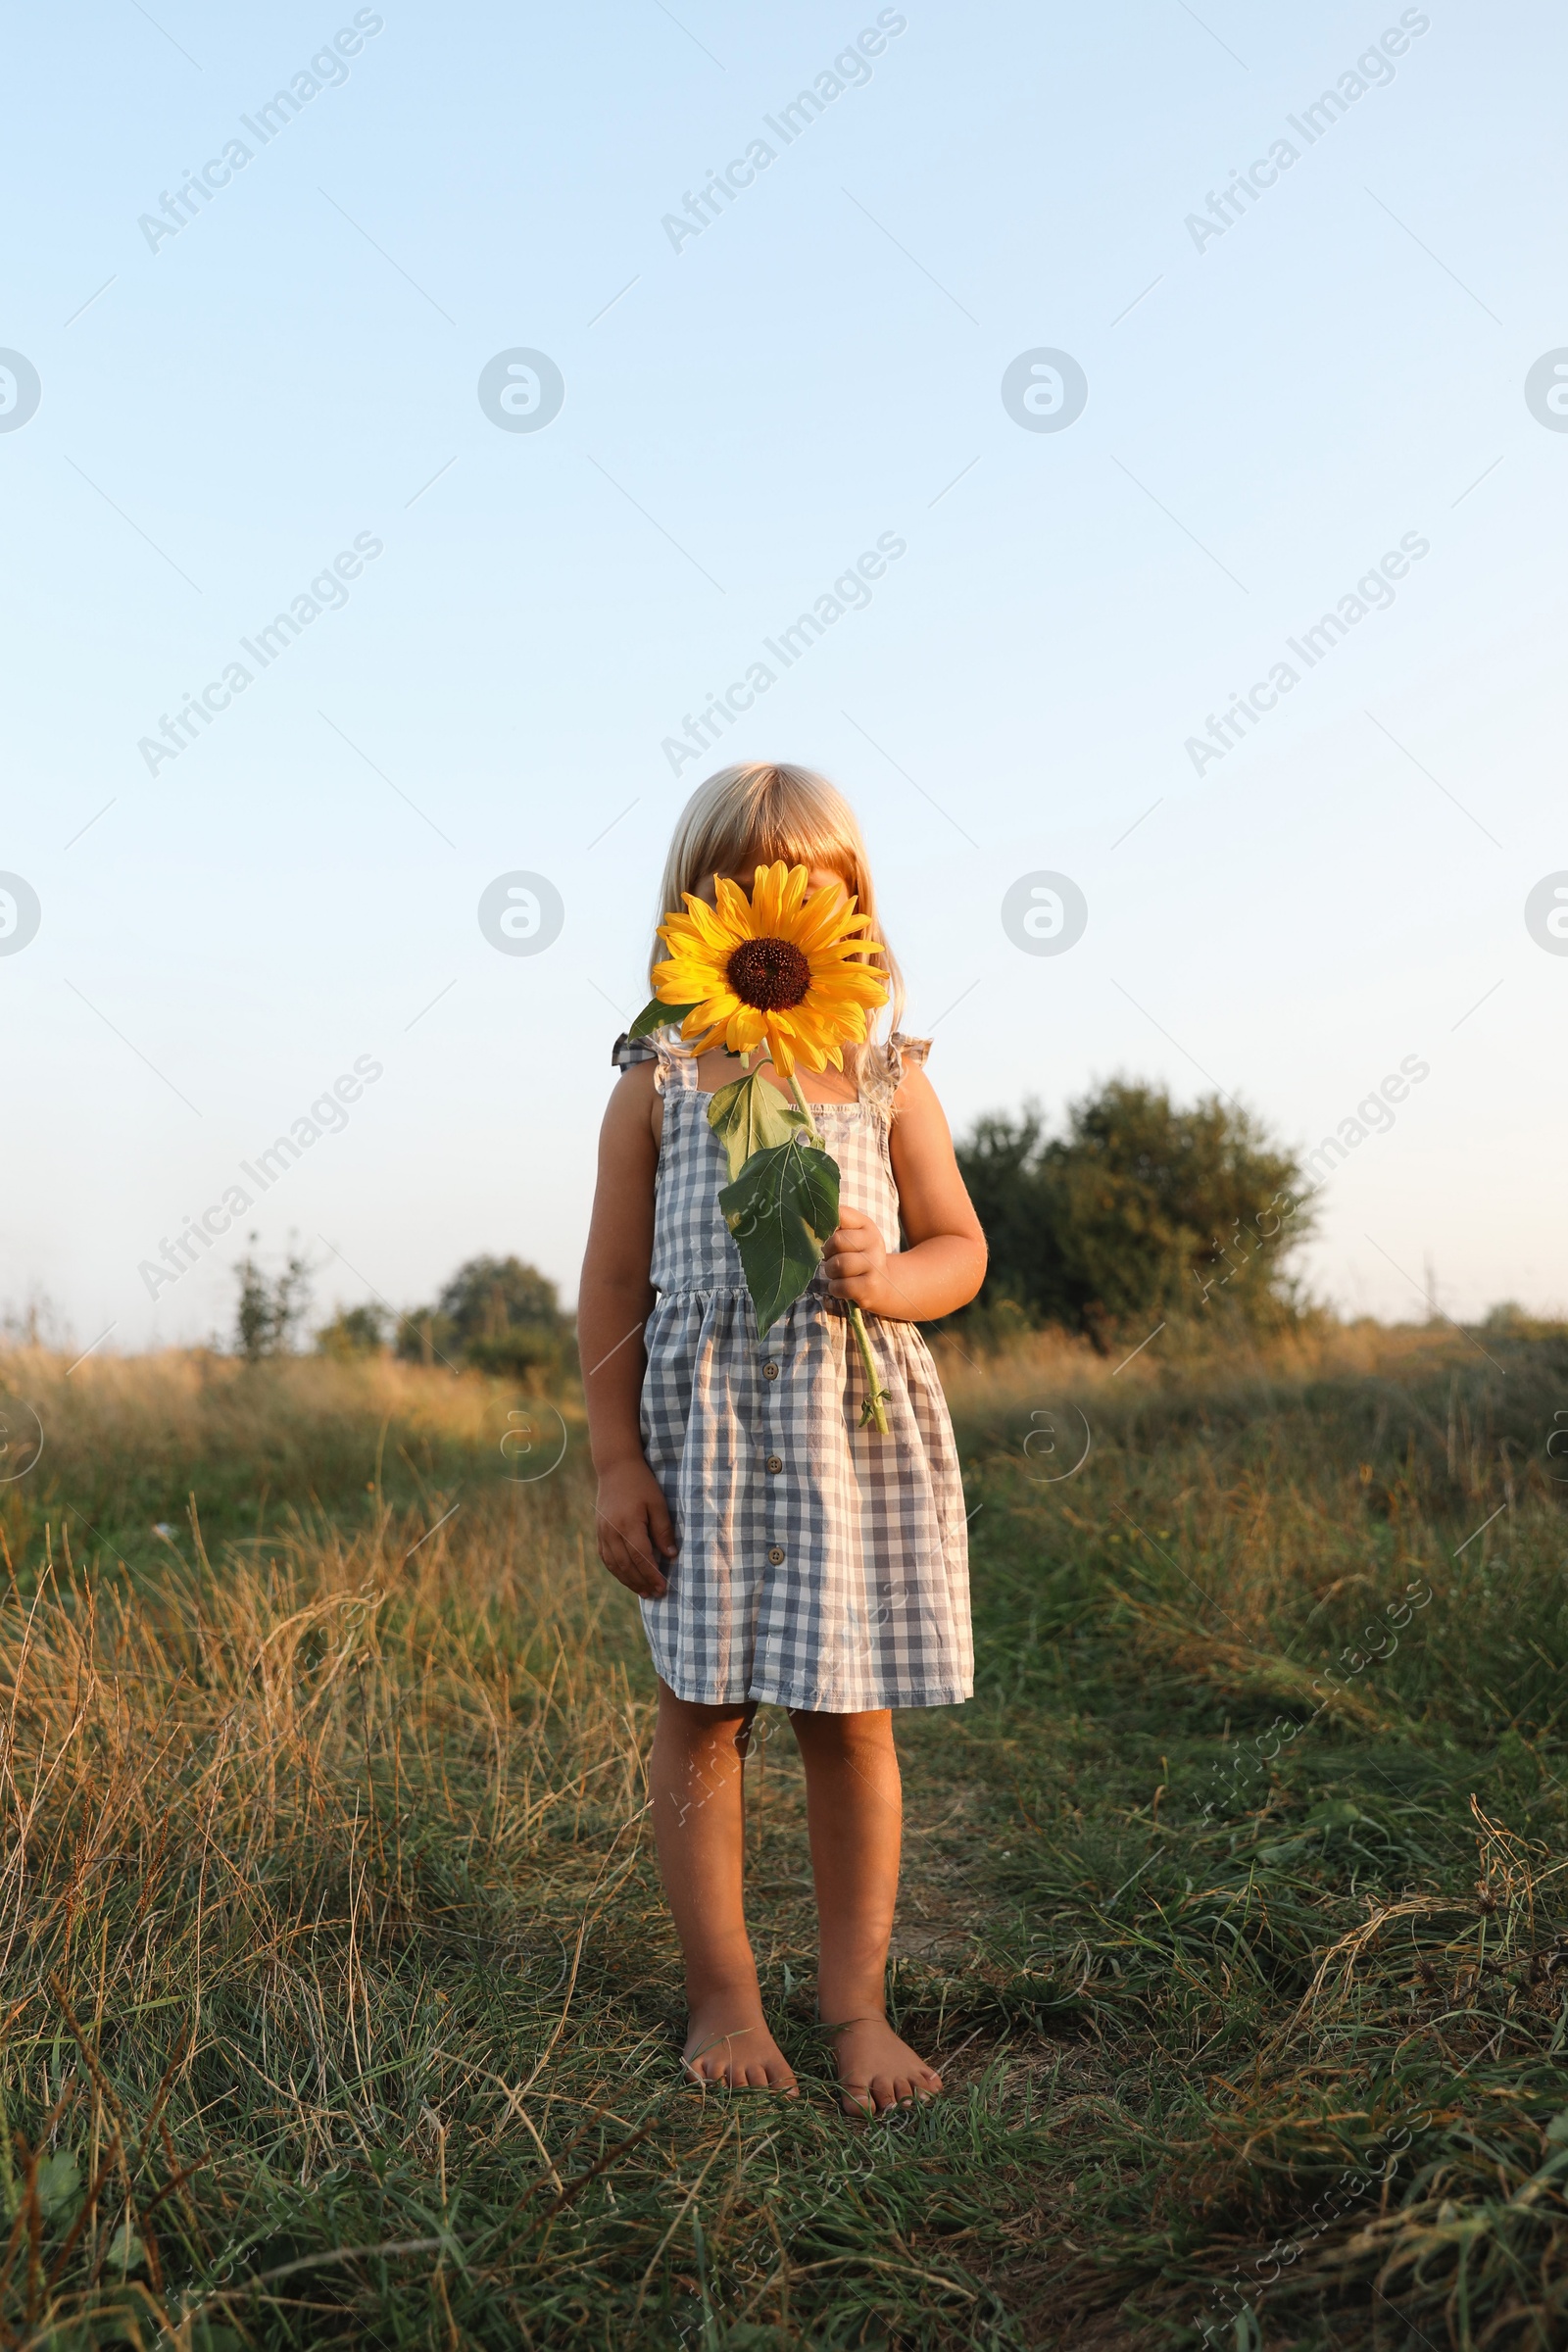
point(1136, 1209)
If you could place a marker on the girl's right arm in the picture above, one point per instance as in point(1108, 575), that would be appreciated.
point(617, 1297)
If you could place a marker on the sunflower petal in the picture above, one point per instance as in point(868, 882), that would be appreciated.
point(734, 911)
point(791, 897)
point(823, 911)
point(715, 926)
point(855, 985)
point(704, 972)
point(763, 895)
point(746, 1028)
point(820, 1040)
point(828, 915)
point(781, 1053)
point(771, 900)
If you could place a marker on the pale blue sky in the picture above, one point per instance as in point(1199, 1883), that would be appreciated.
point(1267, 416)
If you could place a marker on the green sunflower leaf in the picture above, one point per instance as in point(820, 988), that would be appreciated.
point(656, 1016)
point(781, 1209)
point(751, 1115)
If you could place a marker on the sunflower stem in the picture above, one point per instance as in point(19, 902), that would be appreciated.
point(804, 1110)
point(874, 1413)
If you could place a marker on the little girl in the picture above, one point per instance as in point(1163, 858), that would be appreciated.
point(781, 1551)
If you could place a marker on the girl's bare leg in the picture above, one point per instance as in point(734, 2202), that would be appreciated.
point(854, 1808)
point(695, 1781)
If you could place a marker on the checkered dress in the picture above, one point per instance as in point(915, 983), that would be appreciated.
point(819, 1565)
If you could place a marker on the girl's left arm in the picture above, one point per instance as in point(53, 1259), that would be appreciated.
point(943, 1263)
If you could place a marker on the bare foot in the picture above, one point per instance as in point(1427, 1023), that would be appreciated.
point(728, 2045)
point(876, 2070)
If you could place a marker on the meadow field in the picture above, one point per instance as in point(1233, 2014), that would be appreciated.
point(338, 2005)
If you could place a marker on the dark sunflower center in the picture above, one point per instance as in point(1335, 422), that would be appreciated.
point(770, 974)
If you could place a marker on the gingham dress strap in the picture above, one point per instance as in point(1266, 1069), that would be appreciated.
point(882, 1072)
point(676, 1065)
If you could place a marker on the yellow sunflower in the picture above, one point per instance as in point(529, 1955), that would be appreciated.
point(777, 968)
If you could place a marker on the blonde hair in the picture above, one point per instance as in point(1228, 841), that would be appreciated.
point(761, 810)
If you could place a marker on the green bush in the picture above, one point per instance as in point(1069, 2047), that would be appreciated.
point(1139, 1209)
point(353, 1331)
point(496, 1313)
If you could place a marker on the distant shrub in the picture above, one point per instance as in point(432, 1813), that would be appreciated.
point(1139, 1209)
point(353, 1331)
point(270, 1306)
point(496, 1313)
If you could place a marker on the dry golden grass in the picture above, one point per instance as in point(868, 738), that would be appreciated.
point(340, 2005)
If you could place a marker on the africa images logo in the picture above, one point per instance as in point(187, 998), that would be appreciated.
point(1545, 390)
point(21, 913)
point(327, 70)
point(328, 1115)
point(1045, 390)
point(521, 390)
point(1546, 913)
point(850, 71)
point(326, 592)
point(21, 390)
point(1373, 70)
point(1373, 593)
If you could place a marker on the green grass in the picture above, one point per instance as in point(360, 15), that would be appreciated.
point(337, 1998)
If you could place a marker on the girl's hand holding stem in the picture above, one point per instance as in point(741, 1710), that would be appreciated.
point(856, 1264)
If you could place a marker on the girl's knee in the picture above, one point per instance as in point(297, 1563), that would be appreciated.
point(712, 1727)
point(869, 1732)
